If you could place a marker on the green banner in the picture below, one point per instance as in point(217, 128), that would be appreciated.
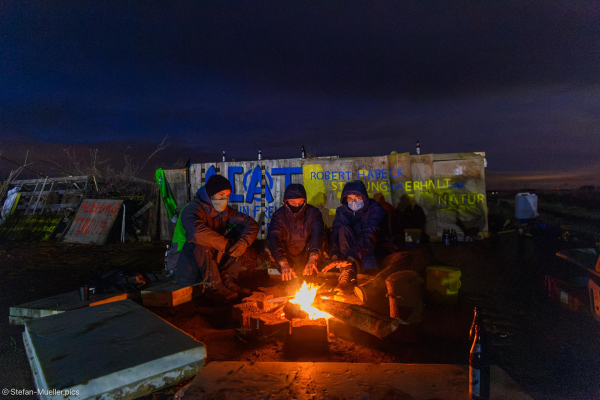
point(165, 193)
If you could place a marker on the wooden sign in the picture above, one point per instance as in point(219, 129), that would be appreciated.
point(30, 227)
point(448, 187)
point(93, 221)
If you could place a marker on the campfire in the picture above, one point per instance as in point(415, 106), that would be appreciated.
point(305, 314)
point(304, 299)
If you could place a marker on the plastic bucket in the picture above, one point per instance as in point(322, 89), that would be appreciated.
point(526, 205)
point(442, 285)
point(405, 293)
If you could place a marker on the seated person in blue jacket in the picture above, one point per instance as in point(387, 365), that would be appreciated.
point(359, 234)
point(296, 234)
point(212, 237)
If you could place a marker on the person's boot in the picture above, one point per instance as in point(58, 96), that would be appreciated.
point(347, 280)
point(219, 292)
point(230, 284)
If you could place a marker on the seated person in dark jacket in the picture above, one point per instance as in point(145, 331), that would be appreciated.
point(296, 234)
point(359, 234)
point(212, 237)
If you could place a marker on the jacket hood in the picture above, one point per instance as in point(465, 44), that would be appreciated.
point(205, 199)
point(201, 193)
point(294, 191)
point(356, 188)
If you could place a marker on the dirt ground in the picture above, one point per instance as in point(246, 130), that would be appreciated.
point(551, 352)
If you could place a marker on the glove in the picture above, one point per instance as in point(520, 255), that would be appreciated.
point(311, 265)
point(238, 248)
point(287, 273)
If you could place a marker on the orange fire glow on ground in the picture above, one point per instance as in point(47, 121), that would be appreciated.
point(304, 298)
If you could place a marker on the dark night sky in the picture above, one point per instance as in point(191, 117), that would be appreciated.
point(519, 80)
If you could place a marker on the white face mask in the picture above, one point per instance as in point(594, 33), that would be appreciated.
point(356, 205)
point(220, 204)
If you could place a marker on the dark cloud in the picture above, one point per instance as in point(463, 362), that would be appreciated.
point(519, 80)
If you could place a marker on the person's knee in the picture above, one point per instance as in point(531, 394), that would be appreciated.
point(345, 230)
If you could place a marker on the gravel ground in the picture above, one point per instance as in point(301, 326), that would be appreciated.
point(551, 352)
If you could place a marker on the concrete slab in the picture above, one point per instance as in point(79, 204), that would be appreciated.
point(280, 380)
point(114, 350)
point(169, 294)
point(61, 303)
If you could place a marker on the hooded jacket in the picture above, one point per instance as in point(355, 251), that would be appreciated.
point(293, 234)
point(368, 223)
point(203, 225)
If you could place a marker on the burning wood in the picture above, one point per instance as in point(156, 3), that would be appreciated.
point(292, 310)
point(360, 317)
point(261, 300)
point(280, 299)
point(304, 299)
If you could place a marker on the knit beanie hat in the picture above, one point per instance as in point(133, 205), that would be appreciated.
point(294, 191)
point(215, 184)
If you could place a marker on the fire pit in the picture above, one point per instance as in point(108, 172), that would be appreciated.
point(301, 316)
point(308, 323)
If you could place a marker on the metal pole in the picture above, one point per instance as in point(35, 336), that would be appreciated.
point(123, 226)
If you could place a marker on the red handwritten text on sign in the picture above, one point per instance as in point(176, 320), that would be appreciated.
point(90, 207)
point(84, 226)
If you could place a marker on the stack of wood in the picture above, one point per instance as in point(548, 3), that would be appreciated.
point(261, 316)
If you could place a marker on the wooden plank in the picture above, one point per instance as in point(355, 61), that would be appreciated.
point(389, 187)
point(47, 192)
point(31, 227)
point(174, 302)
point(399, 173)
point(243, 312)
point(374, 172)
point(150, 218)
point(64, 179)
point(170, 290)
point(422, 188)
point(133, 352)
point(462, 194)
point(93, 221)
point(458, 156)
point(51, 206)
point(324, 181)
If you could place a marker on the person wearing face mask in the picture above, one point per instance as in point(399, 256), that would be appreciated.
point(296, 235)
point(211, 238)
point(359, 234)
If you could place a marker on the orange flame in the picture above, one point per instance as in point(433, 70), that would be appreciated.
point(304, 298)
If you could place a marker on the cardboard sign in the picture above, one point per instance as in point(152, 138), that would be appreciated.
point(93, 221)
